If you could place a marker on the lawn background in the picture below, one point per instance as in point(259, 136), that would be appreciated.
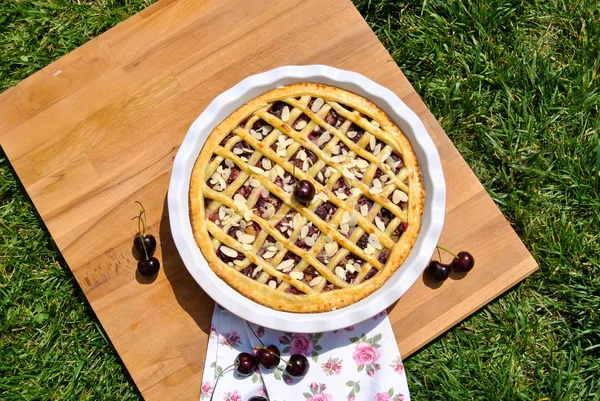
point(515, 85)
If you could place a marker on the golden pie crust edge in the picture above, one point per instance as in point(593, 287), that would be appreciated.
point(324, 301)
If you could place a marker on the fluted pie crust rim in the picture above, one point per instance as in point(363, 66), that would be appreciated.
point(310, 302)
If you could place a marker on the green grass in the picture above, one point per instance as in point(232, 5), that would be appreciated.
point(514, 84)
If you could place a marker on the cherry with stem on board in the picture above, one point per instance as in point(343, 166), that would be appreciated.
point(145, 244)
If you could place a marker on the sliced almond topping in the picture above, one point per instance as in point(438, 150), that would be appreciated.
point(369, 250)
point(328, 172)
point(375, 190)
point(285, 114)
point(385, 155)
point(297, 275)
point(353, 219)
point(379, 223)
point(362, 164)
point(238, 151)
point(256, 135)
point(320, 176)
point(268, 254)
point(248, 214)
point(328, 239)
point(305, 165)
point(323, 196)
point(344, 228)
point(317, 104)
point(399, 196)
point(301, 124)
point(246, 238)
point(345, 217)
point(309, 241)
point(301, 155)
point(232, 253)
point(288, 188)
point(323, 138)
point(340, 272)
point(372, 142)
point(375, 123)
point(254, 183)
point(221, 213)
point(257, 170)
point(364, 210)
point(229, 163)
point(350, 268)
point(384, 178)
point(336, 150)
point(317, 280)
point(376, 183)
point(266, 163)
point(239, 262)
point(281, 152)
point(377, 149)
point(269, 211)
point(266, 129)
point(303, 231)
point(273, 284)
point(351, 134)
point(341, 195)
point(374, 241)
point(279, 245)
point(256, 270)
point(286, 264)
point(247, 247)
point(297, 221)
point(347, 173)
point(331, 248)
point(356, 191)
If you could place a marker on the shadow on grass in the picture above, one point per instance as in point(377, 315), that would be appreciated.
point(188, 293)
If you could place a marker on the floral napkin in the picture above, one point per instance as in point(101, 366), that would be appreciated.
point(358, 363)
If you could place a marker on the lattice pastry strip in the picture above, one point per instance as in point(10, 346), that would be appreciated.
point(363, 221)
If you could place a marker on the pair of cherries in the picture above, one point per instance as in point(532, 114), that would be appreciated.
point(268, 358)
point(462, 262)
point(145, 245)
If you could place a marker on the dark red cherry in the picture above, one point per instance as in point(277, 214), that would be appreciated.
point(148, 267)
point(268, 357)
point(148, 241)
point(297, 366)
point(258, 398)
point(245, 364)
point(304, 192)
point(438, 271)
point(464, 262)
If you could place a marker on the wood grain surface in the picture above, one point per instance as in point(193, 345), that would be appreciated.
point(99, 128)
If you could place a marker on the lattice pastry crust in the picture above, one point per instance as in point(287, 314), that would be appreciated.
point(339, 248)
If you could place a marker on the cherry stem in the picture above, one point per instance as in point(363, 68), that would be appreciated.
point(444, 249)
point(255, 335)
point(217, 380)
point(439, 254)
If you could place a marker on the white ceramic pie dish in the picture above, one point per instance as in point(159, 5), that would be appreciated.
point(229, 101)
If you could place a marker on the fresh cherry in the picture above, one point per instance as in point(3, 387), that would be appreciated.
point(245, 364)
point(438, 271)
point(464, 262)
point(268, 357)
point(297, 366)
point(148, 267)
point(304, 192)
point(148, 241)
point(258, 398)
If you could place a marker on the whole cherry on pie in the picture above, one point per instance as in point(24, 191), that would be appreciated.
point(304, 192)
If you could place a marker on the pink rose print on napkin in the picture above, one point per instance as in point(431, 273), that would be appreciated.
point(235, 396)
point(316, 393)
point(205, 390)
point(305, 344)
point(332, 366)
point(366, 353)
point(397, 365)
point(354, 389)
point(232, 340)
point(389, 396)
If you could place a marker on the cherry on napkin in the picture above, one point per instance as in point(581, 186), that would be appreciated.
point(358, 363)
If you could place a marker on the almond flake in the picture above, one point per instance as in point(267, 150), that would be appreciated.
point(256, 135)
point(297, 275)
point(372, 142)
point(273, 284)
point(369, 250)
point(323, 138)
point(328, 239)
point(297, 221)
point(340, 272)
point(317, 104)
point(266, 163)
point(239, 262)
point(268, 255)
point(301, 155)
point(364, 210)
point(376, 183)
point(328, 172)
point(309, 241)
point(375, 191)
point(266, 129)
point(301, 124)
point(385, 155)
point(221, 213)
point(341, 195)
point(362, 164)
point(256, 270)
point(288, 188)
point(350, 268)
point(246, 238)
point(247, 247)
point(305, 165)
point(356, 191)
point(229, 163)
point(375, 123)
point(344, 228)
point(320, 176)
point(353, 219)
point(374, 241)
point(399, 196)
point(345, 217)
point(279, 245)
point(254, 182)
point(269, 211)
point(336, 150)
point(379, 223)
point(248, 214)
point(331, 248)
point(281, 152)
point(303, 231)
point(317, 280)
point(238, 151)
point(230, 264)
point(348, 174)
point(257, 170)
point(377, 149)
point(384, 177)
point(232, 253)
point(286, 264)
point(323, 196)
point(285, 114)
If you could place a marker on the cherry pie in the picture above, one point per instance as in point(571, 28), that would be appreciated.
point(306, 257)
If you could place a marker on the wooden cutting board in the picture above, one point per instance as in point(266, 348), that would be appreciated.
point(98, 129)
